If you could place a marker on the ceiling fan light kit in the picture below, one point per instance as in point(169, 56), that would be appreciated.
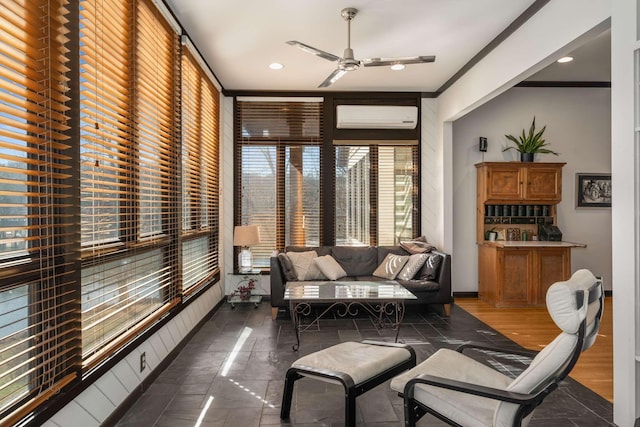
point(348, 62)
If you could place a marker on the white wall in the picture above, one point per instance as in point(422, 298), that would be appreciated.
point(557, 28)
point(578, 127)
point(430, 171)
point(626, 201)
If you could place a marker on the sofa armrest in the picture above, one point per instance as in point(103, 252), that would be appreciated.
point(444, 276)
point(277, 283)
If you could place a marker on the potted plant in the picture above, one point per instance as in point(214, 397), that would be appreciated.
point(529, 144)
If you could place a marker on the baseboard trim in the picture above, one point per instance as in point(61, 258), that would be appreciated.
point(475, 294)
point(465, 295)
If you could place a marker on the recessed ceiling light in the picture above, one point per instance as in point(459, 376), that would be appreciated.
point(565, 59)
point(397, 67)
point(276, 66)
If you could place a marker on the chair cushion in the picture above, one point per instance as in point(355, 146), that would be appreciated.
point(541, 372)
point(561, 301)
point(330, 267)
point(360, 361)
point(465, 409)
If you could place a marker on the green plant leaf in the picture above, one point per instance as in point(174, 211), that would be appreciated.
point(530, 142)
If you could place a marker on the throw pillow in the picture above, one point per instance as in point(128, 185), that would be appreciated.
point(304, 266)
point(418, 245)
point(288, 270)
point(391, 266)
point(430, 268)
point(416, 261)
point(330, 267)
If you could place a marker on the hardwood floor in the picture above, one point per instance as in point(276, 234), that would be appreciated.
point(533, 328)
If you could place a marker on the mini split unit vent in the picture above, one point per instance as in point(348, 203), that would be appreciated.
point(376, 117)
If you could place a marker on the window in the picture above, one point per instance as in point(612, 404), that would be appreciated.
point(375, 194)
point(128, 150)
point(278, 172)
point(37, 268)
point(199, 174)
point(360, 191)
point(93, 243)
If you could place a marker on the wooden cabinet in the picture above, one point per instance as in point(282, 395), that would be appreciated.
point(517, 182)
point(520, 276)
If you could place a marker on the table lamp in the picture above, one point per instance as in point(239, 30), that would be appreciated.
point(245, 236)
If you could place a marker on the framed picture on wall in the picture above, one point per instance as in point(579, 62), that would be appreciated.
point(593, 190)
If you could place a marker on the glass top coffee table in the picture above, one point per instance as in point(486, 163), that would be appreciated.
point(384, 301)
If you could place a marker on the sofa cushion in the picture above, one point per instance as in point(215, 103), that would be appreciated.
point(321, 250)
point(418, 286)
point(288, 270)
point(383, 251)
point(356, 260)
point(411, 268)
point(304, 266)
point(417, 246)
point(391, 266)
point(430, 268)
point(330, 267)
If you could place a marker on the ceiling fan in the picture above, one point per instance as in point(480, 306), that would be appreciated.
point(348, 62)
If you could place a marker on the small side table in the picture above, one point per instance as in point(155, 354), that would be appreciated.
point(253, 299)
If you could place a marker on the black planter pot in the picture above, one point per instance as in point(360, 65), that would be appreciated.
point(526, 157)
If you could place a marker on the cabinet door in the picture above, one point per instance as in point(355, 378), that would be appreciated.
point(504, 182)
point(517, 277)
point(543, 184)
point(553, 265)
point(487, 279)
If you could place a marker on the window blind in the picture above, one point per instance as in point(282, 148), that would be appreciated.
point(376, 193)
point(38, 320)
point(278, 180)
point(129, 151)
point(199, 173)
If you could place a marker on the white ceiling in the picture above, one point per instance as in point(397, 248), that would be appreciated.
point(239, 39)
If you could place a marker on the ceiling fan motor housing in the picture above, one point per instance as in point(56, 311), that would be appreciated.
point(348, 62)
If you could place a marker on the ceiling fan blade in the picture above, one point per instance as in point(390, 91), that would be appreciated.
point(333, 77)
point(377, 62)
point(309, 49)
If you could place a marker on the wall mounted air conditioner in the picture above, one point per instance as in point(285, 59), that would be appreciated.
point(376, 117)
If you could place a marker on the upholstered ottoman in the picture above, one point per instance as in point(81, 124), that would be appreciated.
point(358, 366)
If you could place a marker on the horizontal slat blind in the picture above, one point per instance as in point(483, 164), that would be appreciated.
point(106, 123)
point(129, 139)
point(38, 321)
point(199, 173)
point(353, 195)
point(376, 192)
point(278, 163)
point(155, 115)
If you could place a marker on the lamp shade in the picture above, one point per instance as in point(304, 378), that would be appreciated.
point(246, 235)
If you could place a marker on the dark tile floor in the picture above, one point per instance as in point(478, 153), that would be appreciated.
point(232, 373)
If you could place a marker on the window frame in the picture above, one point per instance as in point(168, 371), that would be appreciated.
point(327, 160)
